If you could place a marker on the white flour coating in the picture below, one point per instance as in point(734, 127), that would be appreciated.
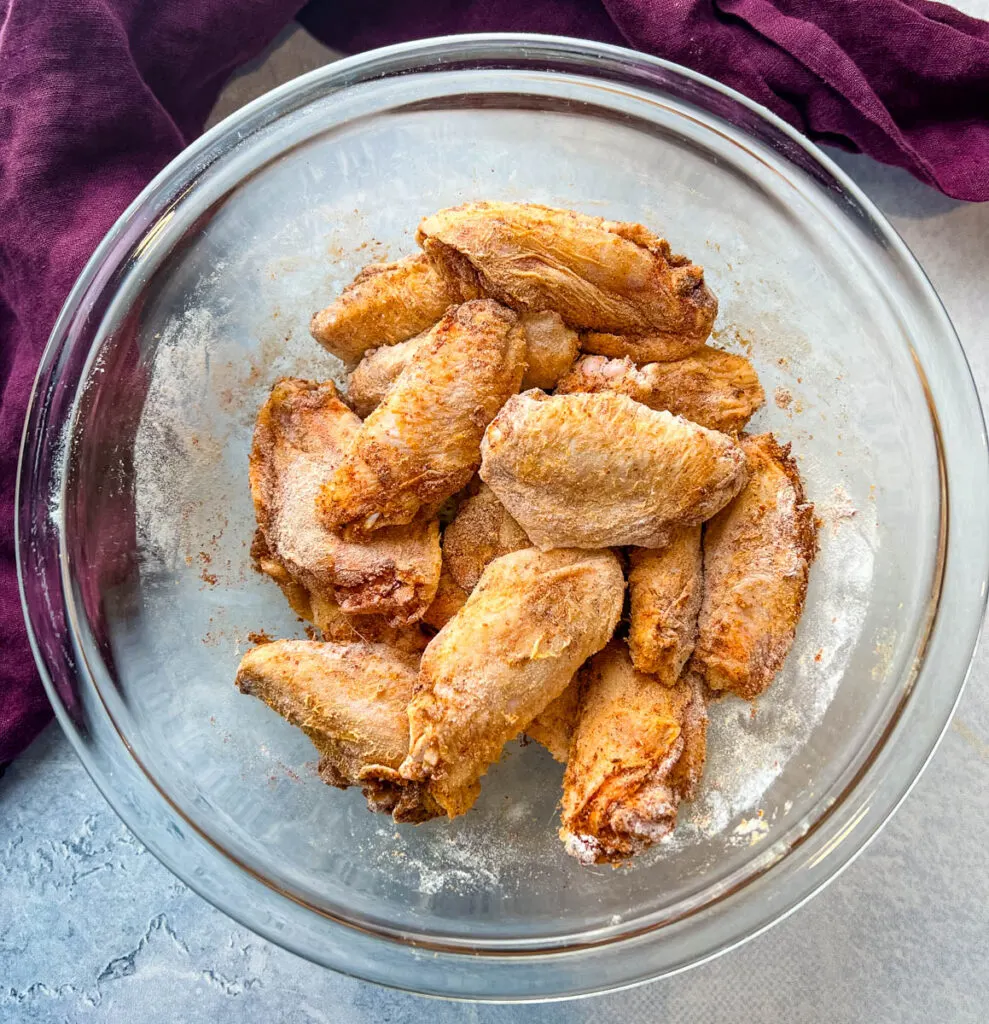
point(192, 443)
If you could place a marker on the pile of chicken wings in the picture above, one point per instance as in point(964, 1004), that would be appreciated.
point(534, 511)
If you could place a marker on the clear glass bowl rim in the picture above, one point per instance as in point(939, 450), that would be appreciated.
point(854, 819)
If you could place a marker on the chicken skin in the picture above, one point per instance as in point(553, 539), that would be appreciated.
point(481, 531)
point(599, 275)
point(637, 750)
point(332, 622)
point(350, 700)
point(422, 444)
point(377, 371)
point(302, 433)
point(665, 589)
point(530, 623)
point(450, 598)
point(757, 557)
point(386, 303)
point(716, 389)
point(551, 348)
point(600, 470)
point(553, 727)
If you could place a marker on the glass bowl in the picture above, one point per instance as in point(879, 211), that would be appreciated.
point(135, 519)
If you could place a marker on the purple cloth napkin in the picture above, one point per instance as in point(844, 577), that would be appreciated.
point(906, 81)
point(97, 95)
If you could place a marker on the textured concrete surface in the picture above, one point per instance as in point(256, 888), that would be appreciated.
point(93, 929)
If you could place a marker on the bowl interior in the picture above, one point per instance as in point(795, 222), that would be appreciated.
point(214, 306)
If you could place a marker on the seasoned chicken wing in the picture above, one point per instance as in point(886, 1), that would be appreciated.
point(422, 444)
point(350, 700)
point(600, 470)
point(450, 598)
point(377, 372)
point(532, 620)
point(716, 389)
point(481, 531)
point(665, 587)
point(623, 782)
point(300, 438)
point(599, 275)
point(551, 348)
point(332, 622)
point(553, 726)
point(386, 303)
point(757, 557)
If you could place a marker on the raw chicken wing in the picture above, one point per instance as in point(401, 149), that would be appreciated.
point(422, 444)
point(551, 348)
point(530, 623)
point(665, 588)
point(624, 779)
point(386, 303)
point(301, 435)
point(481, 531)
point(600, 470)
point(716, 389)
point(350, 700)
point(599, 275)
point(757, 556)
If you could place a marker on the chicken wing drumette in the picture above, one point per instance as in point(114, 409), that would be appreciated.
point(550, 350)
point(665, 588)
point(386, 303)
point(637, 750)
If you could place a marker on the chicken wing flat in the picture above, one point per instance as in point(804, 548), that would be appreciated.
point(551, 348)
point(300, 438)
point(386, 303)
point(481, 531)
point(622, 787)
point(530, 623)
point(553, 726)
point(350, 700)
point(422, 444)
point(716, 389)
point(599, 275)
point(600, 470)
point(757, 557)
point(665, 588)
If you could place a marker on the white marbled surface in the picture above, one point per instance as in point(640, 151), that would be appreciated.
point(93, 929)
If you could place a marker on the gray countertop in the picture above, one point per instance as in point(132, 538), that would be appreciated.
point(93, 928)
